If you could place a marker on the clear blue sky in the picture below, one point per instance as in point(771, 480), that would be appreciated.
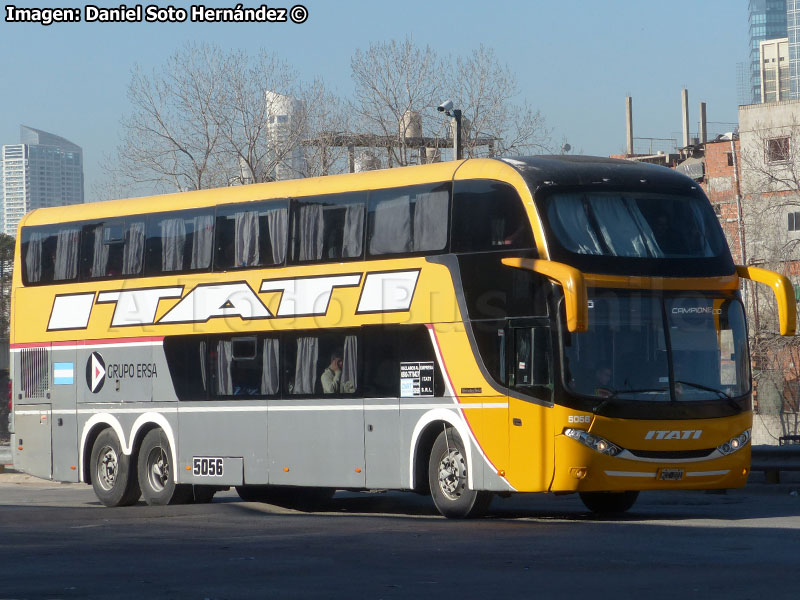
point(575, 60)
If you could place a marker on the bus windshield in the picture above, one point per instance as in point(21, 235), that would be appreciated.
point(637, 225)
point(650, 348)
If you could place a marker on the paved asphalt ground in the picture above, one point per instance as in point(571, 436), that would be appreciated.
point(56, 541)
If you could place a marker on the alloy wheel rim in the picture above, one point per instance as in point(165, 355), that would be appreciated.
point(107, 468)
point(452, 474)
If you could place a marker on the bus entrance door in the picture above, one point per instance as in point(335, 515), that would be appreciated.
point(530, 405)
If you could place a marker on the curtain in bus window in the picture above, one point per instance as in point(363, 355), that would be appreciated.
point(202, 346)
point(246, 247)
point(391, 230)
point(33, 257)
point(270, 375)
point(133, 254)
point(619, 229)
point(578, 235)
point(67, 254)
point(173, 241)
point(353, 231)
point(430, 221)
point(202, 241)
point(99, 253)
point(350, 365)
point(224, 360)
point(278, 228)
point(305, 370)
point(310, 232)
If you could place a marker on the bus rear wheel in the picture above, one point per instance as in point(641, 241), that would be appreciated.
point(448, 478)
point(157, 473)
point(604, 503)
point(113, 478)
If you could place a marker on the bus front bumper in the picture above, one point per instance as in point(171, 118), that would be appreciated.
point(582, 469)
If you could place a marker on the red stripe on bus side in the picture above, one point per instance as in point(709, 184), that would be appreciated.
point(458, 400)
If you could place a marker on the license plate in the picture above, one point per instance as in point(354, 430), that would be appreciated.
point(670, 474)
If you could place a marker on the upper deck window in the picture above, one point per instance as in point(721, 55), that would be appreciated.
point(50, 253)
point(180, 242)
point(489, 215)
point(635, 225)
point(112, 248)
point(328, 227)
point(408, 219)
point(251, 235)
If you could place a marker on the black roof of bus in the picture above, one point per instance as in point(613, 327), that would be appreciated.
point(552, 171)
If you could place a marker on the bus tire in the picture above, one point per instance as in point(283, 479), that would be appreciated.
point(608, 502)
point(448, 479)
point(157, 473)
point(113, 473)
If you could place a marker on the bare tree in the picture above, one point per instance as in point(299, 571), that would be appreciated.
point(396, 79)
point(211, 118)
point(770, 175)
point(325, 120)
point(393, 81)
point(486, 90)
point(171, 139)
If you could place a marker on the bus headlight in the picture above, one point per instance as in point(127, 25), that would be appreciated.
point(735, 443)
point(594, 442)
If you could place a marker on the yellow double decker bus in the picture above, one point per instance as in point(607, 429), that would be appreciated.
point(464, 329)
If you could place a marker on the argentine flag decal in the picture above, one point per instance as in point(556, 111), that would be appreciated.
point(63, 373)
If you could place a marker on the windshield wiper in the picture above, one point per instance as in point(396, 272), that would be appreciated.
point(722, 395)
point(615, 396)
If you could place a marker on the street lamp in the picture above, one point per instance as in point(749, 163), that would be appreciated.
point(455, 114)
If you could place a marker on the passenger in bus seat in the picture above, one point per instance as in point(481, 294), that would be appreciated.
point(331, 377)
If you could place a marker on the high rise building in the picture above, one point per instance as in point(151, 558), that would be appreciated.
point(793, 33)
point(285, 131)
point(42, 170)
point(768, 20)
point(775, 70)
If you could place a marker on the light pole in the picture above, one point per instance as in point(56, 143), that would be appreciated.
point(455, 115)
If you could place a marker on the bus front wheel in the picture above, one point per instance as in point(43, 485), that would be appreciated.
point(113, 479)
point(157, 473)
point(608, 502)
point(448, 478)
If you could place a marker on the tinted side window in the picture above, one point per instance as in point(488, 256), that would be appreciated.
point(321, 363)
point(50, 253)
point(180, 242)
point(495, 291)
point(388, 349)
point(408, 219)
point(187, 359)
point(112, 248)
point(489, 215)
point(251, 235)
point(242, 366)
point(328, 227)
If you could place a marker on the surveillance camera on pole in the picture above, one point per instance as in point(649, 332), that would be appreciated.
point(455, 114)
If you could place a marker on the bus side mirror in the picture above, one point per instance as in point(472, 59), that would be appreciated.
point(571, 279)
point(784, 294)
